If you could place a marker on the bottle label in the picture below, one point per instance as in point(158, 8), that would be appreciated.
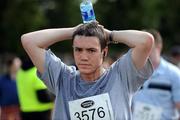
point(88, 16)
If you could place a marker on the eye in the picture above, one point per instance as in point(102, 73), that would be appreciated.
point(77, 49)
point(91, 50)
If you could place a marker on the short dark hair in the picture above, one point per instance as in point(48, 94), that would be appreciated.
point(92, 29)
point(9, 59)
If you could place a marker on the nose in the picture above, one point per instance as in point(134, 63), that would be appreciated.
point(84, 56)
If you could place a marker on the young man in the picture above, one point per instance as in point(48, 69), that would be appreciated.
point(159, 98)
point(92, 92)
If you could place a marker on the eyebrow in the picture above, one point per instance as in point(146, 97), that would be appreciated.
point(84, 48)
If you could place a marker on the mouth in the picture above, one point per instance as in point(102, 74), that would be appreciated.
point(83, 65)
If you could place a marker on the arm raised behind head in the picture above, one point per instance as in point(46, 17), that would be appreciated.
point(141, 42)
point(35, 43)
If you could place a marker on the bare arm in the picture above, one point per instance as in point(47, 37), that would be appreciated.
point(36, 42)
point(178, 108)
point(177, 105)
point(140, 41)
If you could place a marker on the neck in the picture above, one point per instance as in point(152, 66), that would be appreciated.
point(13, 76)
point(156, 62)
point(93, 76)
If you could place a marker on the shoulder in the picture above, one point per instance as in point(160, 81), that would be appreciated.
point(125, 57)
point(50, 55)
point(2, 78)
point(171, 69)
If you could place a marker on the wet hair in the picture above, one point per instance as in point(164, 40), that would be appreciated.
point(92, 29)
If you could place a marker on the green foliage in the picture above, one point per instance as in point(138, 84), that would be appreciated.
point(21, 16)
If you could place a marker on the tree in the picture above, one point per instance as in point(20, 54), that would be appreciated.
point(19, 16)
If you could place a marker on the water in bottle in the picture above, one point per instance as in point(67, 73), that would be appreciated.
point(87, 11)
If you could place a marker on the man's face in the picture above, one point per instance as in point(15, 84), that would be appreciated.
point(87, 54)
point(15, 65)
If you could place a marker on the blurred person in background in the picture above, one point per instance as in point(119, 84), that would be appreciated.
point(9, 103)
point(175, 55)
point(159, 97)
point(91, 92)
point(35, 100)
point(108, 61)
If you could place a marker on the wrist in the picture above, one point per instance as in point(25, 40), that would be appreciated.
point(111, 37)
point(70, 32)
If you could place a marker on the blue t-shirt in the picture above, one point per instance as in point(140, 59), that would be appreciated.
point(162, 90)
point(8, 91)
point(120, 81)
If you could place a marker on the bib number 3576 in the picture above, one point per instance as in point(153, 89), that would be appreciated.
point(91, 108)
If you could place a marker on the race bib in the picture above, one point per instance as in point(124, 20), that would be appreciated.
point(91, 108)
point(143, 111)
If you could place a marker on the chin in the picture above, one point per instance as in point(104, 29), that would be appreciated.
point(85, 71)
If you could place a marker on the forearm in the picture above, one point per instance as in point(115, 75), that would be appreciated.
point(177, 105)
point(131, 38)
point(47, 37)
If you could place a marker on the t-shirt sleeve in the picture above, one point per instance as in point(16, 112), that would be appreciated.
point(54, 71)
point(38, 83)
point(131, 77)
point(176, 85)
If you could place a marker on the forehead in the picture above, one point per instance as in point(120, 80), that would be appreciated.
point(86, 42)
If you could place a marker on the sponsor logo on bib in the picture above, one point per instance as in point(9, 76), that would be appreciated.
point(87, 104)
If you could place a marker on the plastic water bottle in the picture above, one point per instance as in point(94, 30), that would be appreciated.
point(87, 11)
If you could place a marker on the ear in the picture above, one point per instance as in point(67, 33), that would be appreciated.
point(105, 51)
point(104, 54)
